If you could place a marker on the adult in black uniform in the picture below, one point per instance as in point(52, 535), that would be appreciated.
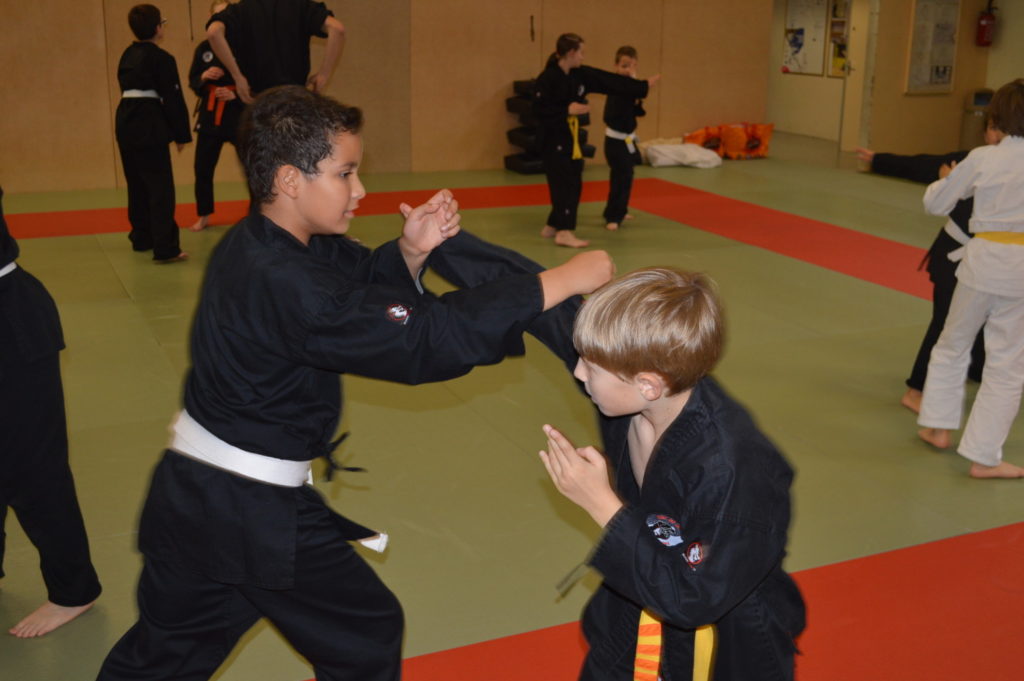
point(37, 481)
point(559, 99)
point(264, 43)
point(620, 114)
point(151, 114)
point(217, 114)
point(926, 168)
point(229, 530)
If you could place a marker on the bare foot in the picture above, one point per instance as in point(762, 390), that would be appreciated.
point(612, 226)
point(912, 400)
point(200, 224)
point(181, 257)
point(1002, 470)
point(629, 216)
point(548, 232)
point(46, 618)
point(565, 237)
point(936, 437)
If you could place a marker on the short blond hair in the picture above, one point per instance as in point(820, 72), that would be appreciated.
point(657, 319)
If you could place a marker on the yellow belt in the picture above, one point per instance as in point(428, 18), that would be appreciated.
point(647, 662)
point(574, 128)
point(1003, 237)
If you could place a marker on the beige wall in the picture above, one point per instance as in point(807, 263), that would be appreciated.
point(903, 123)
point(1005, 57)
point(431, 75)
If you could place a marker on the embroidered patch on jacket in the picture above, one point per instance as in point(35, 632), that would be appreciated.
point(398, 313)
point(665, 529)
point(207, 56)
point(694, 554)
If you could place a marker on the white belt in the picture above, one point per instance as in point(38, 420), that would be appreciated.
point(140, 94)
point(8, 268)
point(961, 237)
point(628, 137)
point(192, 440)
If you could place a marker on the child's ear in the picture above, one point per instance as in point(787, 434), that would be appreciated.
point(651, 385)
point(287, 180)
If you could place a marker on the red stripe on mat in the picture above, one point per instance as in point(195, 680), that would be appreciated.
point(944, 611)
point(881, 261)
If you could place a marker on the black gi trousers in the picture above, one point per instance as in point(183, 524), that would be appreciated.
point(620, 163)
point(942, 296)
point(147, 170)
point(338, 615)
point(565, 184)
point(208, 149)
point(37, 481)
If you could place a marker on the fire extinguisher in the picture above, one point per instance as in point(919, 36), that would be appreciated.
point(986, 25)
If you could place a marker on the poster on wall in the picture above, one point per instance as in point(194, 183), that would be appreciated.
point(838, 38)
point(805, 36)
point(933, 46)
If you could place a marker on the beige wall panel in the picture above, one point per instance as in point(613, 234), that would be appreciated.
point(1005, 57)
point(799, 103)
point(54, 131)
point(907, 124)
point(374, 75)
point(465, 55)
point(605, 26)
point(713, 63)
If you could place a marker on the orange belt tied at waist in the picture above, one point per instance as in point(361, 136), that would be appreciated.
point(213, 103)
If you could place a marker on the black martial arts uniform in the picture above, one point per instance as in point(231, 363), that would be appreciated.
point(620, 114)
point(924, 168)
point(276, 323)
point(144, 127)
point(701, 543)
point(216, 122)
point(36, 480)
point(270, 39)
point(554, 91)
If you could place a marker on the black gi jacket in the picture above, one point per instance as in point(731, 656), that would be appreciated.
point(145, 121)
point(29, 324)
point(702, 543)
point(924, 168)
point(270, 39)
point(555, 90)
point(276, 324)
point(206, 122)
point(620, 113)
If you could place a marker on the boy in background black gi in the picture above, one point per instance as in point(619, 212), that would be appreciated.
point(217, 114)
point(696, 525)
point(36, 480)
point(951, 239)
point(264, 43)
point(620, 114)
point(559, 100)
point(151, 114)
point(229, 531)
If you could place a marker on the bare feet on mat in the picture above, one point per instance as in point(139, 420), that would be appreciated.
point(629, 216)
point(1003, 470)
point(45, 619)
point(912, 400)
point(936, 437)
point(200, 224)
point(548, 232)
point(612, 226)
point(181, 257)
point(565, 237)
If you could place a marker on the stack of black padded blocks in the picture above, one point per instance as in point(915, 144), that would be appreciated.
point(525, 136)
